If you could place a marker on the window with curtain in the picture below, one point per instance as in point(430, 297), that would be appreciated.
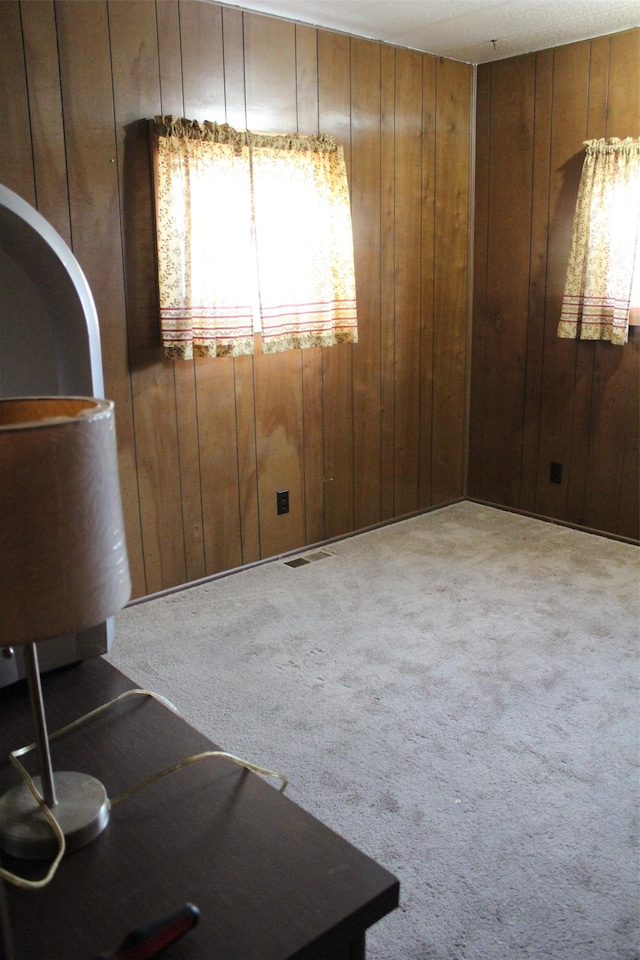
point(253, 235)
point(604, 258)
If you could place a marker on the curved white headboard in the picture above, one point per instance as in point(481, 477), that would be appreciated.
point(49, 332)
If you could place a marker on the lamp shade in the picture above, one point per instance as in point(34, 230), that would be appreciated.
point(63, 558)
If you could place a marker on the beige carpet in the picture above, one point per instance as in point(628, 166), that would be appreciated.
point(457, 695)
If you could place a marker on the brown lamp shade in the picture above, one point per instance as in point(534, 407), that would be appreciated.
point(63, 558)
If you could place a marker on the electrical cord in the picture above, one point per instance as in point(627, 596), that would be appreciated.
point(22, 882)
point(25, 884)
point(201, 756)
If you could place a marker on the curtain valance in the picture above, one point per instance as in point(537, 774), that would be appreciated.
point(223, 133)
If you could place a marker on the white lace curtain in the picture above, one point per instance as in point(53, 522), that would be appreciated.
point(605, 243)
point(254, 235)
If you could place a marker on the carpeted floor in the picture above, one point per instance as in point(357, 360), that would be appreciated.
point(457, 695)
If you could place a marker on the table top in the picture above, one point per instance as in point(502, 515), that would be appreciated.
point(271, 882)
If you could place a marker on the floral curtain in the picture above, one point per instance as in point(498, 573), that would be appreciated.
point(605, 243)
point(254, 235)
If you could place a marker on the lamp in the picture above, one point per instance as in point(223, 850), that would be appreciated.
point(63, 568)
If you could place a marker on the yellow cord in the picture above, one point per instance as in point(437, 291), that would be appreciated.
point(194, 759)
point(94, 713)
point(25, 884)
point(55, 826)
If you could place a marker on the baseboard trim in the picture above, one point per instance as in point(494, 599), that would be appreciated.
point(559, 523)
point(290, 553)
point(374, 526)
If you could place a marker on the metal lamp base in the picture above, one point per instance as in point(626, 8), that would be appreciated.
point(82, 810)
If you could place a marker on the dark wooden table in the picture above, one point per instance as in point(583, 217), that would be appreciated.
point(270, 880)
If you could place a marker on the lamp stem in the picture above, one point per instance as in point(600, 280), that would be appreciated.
point(40, 724)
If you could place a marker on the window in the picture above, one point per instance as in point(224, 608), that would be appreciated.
point(604, 261)
point(254, 235)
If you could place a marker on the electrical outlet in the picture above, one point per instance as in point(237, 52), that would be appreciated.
point(282, 501)
point(555, 474)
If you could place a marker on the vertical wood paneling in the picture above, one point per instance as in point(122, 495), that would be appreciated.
point(16, 164)
point(599, 74)
point(307, 79)
point(334, 102)
point(580, 401)
point(96, 230)
point(480, 266)
point(623, 100)
point(202, 59)
point(508, 257)
point(387, 279)
point(247, 458)
point(629, 508)
point(45, 112)
point(407, 271)
point(186, 413)
point(235, 113)
point(357, 434)
point(609, 409)
point(453, 119)
point(217, 426)
point(314, 483)
point(569, 124)
point(278, 387)
point(537, 278)
point(427, 269)
point(586, 353)
point(235, 99)
point(134, 59)
point(169, 57)
point(307, 110)
point(623, 111)
point(365, 203)
point(354, 432)
point(614, 423)
point(203, 83)
point(270, 74)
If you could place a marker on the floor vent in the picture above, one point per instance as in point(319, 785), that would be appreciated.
point(310, 558)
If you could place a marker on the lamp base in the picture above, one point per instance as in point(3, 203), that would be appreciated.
point(82, 811)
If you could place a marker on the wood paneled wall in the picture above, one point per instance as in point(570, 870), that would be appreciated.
point(358, 434)
point(534, 398)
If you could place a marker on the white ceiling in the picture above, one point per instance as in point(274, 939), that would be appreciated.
point(474, 31)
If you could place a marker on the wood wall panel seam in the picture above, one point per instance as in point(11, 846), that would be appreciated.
point(16, 164)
